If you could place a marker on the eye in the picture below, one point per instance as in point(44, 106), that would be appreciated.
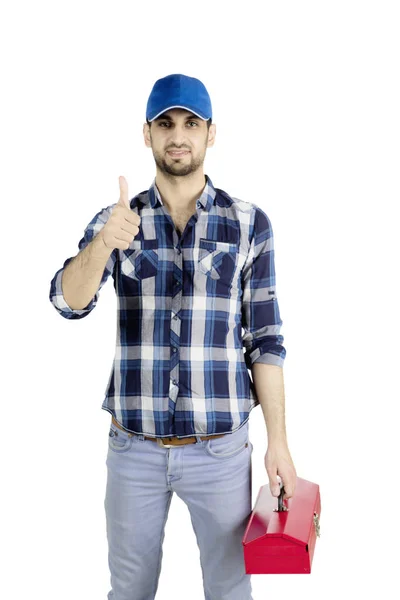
point(165, 122)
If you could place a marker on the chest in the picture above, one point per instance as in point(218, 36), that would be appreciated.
point(181, 218)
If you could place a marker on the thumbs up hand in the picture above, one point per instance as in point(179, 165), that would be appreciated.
point(123, 223)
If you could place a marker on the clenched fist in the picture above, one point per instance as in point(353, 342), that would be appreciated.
point(123, 223)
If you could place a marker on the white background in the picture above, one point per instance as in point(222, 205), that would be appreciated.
point(306, 102)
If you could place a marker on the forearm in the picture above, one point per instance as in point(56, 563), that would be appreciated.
point(269, 385)
point(82, 276)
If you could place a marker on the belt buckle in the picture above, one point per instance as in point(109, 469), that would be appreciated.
point(161, 443)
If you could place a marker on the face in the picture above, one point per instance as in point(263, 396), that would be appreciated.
point(178, 129)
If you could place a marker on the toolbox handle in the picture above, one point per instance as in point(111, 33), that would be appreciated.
point(281, 506)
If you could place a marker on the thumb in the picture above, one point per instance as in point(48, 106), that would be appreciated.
point(123, 192)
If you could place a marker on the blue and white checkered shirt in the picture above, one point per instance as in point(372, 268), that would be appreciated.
point(194, 313)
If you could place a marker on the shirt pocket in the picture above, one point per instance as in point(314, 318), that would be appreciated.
point(218, 259)
point(140, 260)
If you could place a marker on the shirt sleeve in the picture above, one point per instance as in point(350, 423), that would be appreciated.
point(260, 310)
point(56, 295)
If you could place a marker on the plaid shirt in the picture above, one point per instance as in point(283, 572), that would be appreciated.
point(181, 361)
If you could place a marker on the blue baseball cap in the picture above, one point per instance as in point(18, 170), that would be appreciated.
point(179, 91)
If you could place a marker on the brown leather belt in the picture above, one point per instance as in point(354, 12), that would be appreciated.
point(169, 441)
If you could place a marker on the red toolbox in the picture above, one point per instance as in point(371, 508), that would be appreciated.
point(281, 534)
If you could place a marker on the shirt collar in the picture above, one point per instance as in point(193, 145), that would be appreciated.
point(205, 201)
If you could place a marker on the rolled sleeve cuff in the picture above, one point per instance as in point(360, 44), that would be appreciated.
point(60, 304)
point(267, 358)
point(265, 346)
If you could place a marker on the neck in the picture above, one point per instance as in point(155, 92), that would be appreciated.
point(178, 193)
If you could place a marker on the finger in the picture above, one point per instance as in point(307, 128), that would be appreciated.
point(123, 192)
point(274, 487)
point(289, 490)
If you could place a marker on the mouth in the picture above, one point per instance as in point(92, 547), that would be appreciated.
point(178, 154)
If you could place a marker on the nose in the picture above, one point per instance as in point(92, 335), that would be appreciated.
point(178, 140)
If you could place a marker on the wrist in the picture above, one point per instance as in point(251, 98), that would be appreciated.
point(99, 249)
point(277, 440)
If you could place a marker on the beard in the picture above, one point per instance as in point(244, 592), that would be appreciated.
point(178, 167)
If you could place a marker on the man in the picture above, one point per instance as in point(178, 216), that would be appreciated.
point(192, 266)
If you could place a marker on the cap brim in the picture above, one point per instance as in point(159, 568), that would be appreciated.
point(175, 106)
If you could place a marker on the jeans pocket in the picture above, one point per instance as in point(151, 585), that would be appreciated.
point(229, 445)
point(119, 440)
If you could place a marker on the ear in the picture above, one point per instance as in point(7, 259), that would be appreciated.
point(146, 134)
point(211, 135)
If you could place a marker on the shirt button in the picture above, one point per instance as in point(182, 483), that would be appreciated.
point(173, 349)
point(174, 381)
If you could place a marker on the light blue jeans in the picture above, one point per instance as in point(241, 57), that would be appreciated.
point(212, 477)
